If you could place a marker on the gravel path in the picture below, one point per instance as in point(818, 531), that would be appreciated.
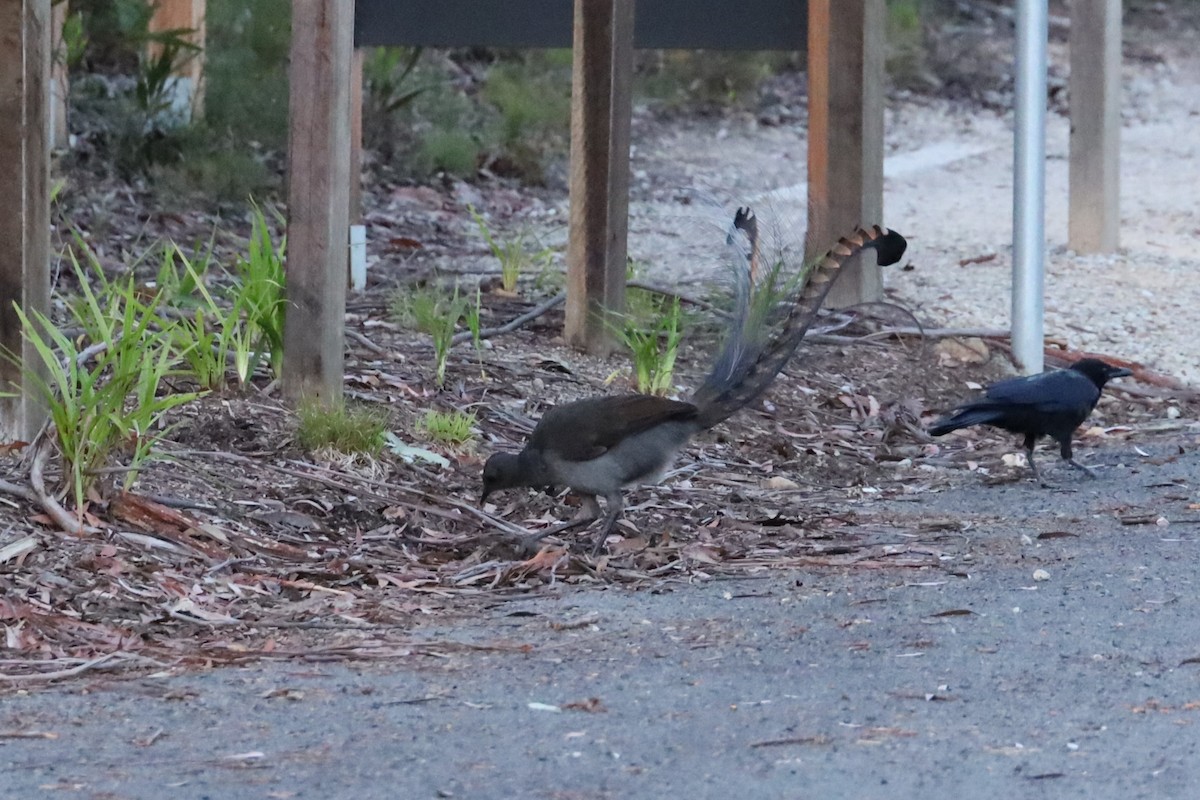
point(1051, 654)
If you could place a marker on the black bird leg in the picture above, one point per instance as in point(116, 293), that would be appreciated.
point(1029, 443)
point(588, 513)
point(1065, 450)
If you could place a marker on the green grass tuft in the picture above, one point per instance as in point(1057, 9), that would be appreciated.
point(449, 427)
point(346, 429)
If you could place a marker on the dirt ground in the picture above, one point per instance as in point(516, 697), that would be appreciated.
point(241, 550)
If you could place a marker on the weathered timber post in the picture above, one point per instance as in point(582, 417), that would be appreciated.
point(599, 218)
point(318, 198)
point(1094, 224)
point(845, 133)
point(24, 199)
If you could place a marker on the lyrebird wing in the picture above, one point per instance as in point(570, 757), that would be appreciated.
point(587, 429)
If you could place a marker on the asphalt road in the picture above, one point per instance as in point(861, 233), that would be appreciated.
point(976, 680)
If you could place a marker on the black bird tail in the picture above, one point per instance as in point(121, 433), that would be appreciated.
point(751, 357)
point(965, 418)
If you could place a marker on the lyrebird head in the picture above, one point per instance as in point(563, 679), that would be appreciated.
point(1099, 372)
point(501, 471)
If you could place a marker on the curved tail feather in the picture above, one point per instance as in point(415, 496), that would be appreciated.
point(751, 358)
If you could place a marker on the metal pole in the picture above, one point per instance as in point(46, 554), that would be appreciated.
point(1029, 185)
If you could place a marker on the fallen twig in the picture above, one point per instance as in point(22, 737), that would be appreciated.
point(24, 492)
point(62, 518)
point(367, 343)
point(942, 333)
point(514, 324)
point(61, 673)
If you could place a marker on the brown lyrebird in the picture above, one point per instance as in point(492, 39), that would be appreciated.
point(600, 445)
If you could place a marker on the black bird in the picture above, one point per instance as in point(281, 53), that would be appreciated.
point(1051, 404)
point(599, 445)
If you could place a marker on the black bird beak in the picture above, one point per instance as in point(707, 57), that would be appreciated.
point(1119, 372)
point(483, 496)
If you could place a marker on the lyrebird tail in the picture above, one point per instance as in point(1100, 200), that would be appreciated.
point(751, 356)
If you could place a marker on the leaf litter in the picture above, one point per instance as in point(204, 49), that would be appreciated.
point(237, 546)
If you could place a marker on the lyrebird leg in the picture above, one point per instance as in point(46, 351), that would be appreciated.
point(1065, 450)
point(615, 505)
point(588, 513)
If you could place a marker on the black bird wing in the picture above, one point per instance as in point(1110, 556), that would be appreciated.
point(1060, 391)
point(1051, 403)
point(587, 429)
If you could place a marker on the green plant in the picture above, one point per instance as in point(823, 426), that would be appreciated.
point(133, 119)
point(654, 348)
point(688, 78)
point(393, 82)
point(471, 317)
point(210, 169)
point(531, 94)
point(198, 346)
point(454, 152)
point(74, 41)
point(513, 254)
point(452, 428)
point(906, 46)
point(157, 68)
point(346, 429)
point(103, 398)
point(246, 71)
point(431, 310)
point(388, 73)
point(257, 293)
point(549, 278)
point(204, 338)
point(642, 307)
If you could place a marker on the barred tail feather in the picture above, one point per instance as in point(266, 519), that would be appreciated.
point(747, 364)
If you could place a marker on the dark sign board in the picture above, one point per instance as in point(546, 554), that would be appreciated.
point(665, 24)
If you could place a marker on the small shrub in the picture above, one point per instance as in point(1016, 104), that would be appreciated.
point(346, 429)
point(392, 84)
point(687, 78)
point(906, 47)
point(531, 94)
point(454, 152)
point(245, 72)
point(210, 168)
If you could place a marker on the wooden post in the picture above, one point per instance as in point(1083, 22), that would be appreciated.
point(845, 133)
point(60, 84)
point(318, 198)
point(170, 15)
point(601, 107)
point(1095, 86)
point(25, 199)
